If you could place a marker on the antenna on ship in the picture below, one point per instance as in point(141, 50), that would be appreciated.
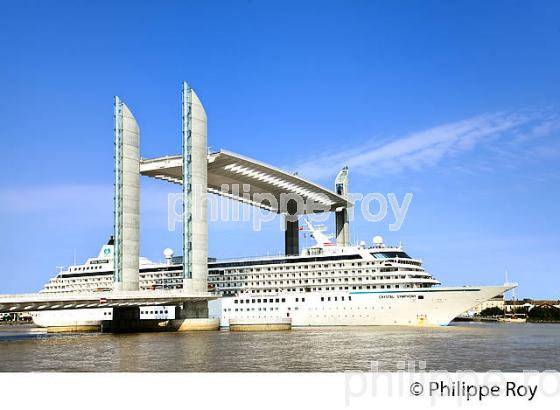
point(168, 255)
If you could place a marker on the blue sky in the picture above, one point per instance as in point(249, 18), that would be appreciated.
point(455, 102)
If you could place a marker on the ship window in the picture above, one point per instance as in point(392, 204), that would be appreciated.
point(283, 300)
point(349, 297)
point(420, 296)
point(303, 299)
point(385, 255)
point(297, 299)
point(322, 299)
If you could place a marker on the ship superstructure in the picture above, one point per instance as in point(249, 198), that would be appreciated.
point(327, 284)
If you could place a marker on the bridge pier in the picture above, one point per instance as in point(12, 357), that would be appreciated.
point(190, 316)
point(195, 187)
point(73, 329)
point(341, 215)
point(125, 319)
point(291, 234)
point(192, 310)
point(126, 199)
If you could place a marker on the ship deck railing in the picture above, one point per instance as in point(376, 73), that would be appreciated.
point(257, 257)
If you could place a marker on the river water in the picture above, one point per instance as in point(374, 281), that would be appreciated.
point(461, 346)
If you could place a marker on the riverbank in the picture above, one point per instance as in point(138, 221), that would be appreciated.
point(501, 320)
point(476, 319)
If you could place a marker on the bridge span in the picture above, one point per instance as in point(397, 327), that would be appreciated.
point(114, 299)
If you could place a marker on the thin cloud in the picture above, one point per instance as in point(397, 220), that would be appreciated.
point(58, 198)
point(81, 205)
point(429, 147)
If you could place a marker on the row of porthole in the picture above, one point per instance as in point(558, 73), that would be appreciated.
point(326, 278)
point(295, 308)
point(253, 309)
point(151, 312)
point(320, 289)
point(301, 266)
point(84, 268)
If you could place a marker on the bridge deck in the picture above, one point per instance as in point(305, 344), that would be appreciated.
point(57, 301)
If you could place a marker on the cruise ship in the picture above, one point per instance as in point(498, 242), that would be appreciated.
point(326, 285)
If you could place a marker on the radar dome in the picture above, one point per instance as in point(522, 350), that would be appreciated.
point(378, 240)
point(168, 253)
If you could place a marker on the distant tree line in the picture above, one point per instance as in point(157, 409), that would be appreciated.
point(542, 313)
point(492, 311)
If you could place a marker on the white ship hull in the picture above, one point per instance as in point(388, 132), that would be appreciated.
point(77, 318)
point(72, 318)
point(418, 307)
point(435, 306)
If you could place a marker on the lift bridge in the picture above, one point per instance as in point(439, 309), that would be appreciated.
point(220, 173)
